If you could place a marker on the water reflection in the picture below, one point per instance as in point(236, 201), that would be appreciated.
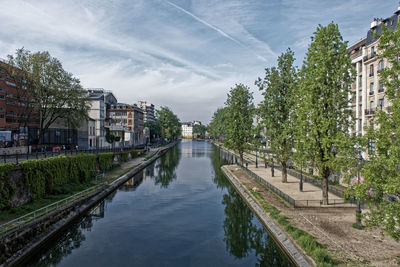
point(166, 167)
point(243, 233)
point(72, 239)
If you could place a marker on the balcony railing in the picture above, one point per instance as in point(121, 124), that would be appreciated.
point(368, 57)
point(370, 111)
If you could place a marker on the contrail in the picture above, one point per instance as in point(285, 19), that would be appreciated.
point(206, 23)
point(214, 28)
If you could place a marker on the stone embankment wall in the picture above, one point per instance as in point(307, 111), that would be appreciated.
point(294, 253)
point(17, 246)
point(33, 179)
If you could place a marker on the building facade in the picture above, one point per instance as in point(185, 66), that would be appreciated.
point(187, 129)
point(148, 110)
point(100, 101)
point(368, 93)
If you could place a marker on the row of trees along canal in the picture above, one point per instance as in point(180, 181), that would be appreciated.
point(306, 115)
point(48, 91)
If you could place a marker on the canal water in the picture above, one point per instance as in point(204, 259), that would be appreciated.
point(180, 211)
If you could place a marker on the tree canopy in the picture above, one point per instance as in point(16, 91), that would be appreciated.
point(169, 123)
point(239, 119)
point(278, 87)
point(217, 127)
point(54, 93)
point(323, 112)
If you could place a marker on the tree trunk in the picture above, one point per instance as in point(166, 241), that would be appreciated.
point(272, 167)
point(241, 158)
point(284, 172)
point(325, 176)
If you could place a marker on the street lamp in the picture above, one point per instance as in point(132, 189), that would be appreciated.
point(358, 210)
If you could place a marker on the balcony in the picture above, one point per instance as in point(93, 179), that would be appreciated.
point(368, 57)
point(370, 111)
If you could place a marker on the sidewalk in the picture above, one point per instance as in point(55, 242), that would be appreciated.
point(311, 195)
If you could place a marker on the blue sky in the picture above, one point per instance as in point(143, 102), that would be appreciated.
point(185, 54)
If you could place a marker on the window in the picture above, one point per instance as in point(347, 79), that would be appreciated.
point(371, 88)
point(371, 70)
point(371, 146)
point(381, 65)
point(1, 96)
point(372, 51)
point(381, 89)
point(11, 84)
point(371, 105)
point(381, 103)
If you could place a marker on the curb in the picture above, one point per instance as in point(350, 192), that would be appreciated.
point(295, 255)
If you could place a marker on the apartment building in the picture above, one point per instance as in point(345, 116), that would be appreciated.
point(148, 110)
point(100, 101)
point(131, 117)
point(187, 129)
point(368, 93)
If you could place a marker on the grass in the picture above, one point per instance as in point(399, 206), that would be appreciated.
point(59, 194)
point(307, 242)
point(359, 227)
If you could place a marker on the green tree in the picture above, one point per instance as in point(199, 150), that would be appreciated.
point(55, 93)
point(217, 126)
point(239, 119)
point(381, 171)
point(155, 128)
point(278, 88)
point(200, 130)
point(323, 110)
point(169, 123)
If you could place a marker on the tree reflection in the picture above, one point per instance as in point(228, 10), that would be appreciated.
point(68, 241)
point(217, 162)
point(242, 235)
point(166, 167)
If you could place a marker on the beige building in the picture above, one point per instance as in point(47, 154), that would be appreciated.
point(368, 93)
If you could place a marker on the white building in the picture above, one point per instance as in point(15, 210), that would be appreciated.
point(100, 101)
point(187, 129)
point(148, 110)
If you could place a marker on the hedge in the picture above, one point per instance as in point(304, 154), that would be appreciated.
point(6, 187)
point(105, 160)
point(41, 176)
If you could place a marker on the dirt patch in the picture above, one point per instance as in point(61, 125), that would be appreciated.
point(333, 228)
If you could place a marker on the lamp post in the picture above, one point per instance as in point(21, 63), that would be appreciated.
point(358, 210)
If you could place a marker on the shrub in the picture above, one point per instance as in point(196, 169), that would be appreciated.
point(6, 187)
point(123, 157)
point(41, 176)
point(105, 160)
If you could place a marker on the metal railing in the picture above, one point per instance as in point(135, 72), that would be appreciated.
point(17, 157)
point(20, 221)
point(284, 196)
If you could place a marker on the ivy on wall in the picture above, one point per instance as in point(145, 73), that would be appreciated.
point(6, 187)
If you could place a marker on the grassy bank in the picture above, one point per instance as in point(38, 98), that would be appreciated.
point(307, 242)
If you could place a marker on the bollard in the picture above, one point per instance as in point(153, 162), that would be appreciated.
point(16, 158)
point(247, 165)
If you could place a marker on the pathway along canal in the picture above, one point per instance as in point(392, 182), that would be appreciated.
point(180, 211)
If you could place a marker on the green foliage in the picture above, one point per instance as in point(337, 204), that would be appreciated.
point(134, 153)
point(169, 123)
point(381, 173)
point(239, 120)
point(217, 127)
point(307, 242)
point(155, 128)
point(53, 92)
point(277, 110)
point(6, 188)
point(323, 104)
point(123, 156)
point(200, 130)
point(43, 175)
point(105, 160)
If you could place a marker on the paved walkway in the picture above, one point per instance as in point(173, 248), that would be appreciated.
point(311, 195)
